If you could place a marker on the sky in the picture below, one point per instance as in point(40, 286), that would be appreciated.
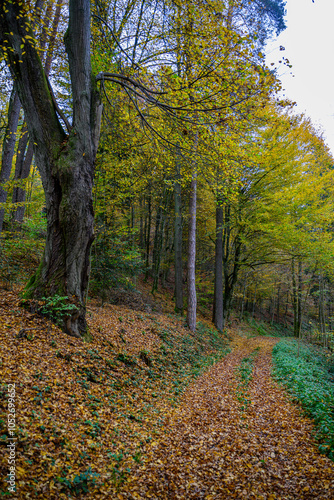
point(309, 47)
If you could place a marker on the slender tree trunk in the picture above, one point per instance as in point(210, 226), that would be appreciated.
point(178, 265)
point(148, 236)
point(218, 316)
point(300, 290)
point(254, 301)
point(8, 147)
point(278, 304)
point(24, 158)
point(322, 321)
point(191, 268)
point(159, 237)
point(286, 309)
point(243, 298)
point(230, 279)
point(141, 225)
point(157, 243)
point(273, 310)
point(294, 299)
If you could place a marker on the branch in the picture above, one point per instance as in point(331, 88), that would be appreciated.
point(57, 108)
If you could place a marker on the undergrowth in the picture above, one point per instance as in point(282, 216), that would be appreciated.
point(266, 329)
point(244, 376)
point(308, 379)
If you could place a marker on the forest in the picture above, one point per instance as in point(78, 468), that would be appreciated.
point(166, 256)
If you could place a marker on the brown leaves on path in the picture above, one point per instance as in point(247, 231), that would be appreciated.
point(214, 450)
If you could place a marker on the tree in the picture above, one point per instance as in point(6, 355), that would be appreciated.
point(65, 160)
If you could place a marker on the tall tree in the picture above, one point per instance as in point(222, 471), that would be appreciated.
point(65, 161)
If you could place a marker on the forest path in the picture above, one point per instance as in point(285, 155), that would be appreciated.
point(229, 440)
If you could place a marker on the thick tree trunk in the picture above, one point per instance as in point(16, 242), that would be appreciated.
point(178, 265)
point(191, 269)
point(218, 315)
point(8, 148)
point(65, 163)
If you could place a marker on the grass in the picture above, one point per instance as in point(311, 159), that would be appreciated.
point(244, 376)
point(309, 380)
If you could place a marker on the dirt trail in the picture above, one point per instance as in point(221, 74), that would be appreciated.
point(213, 449)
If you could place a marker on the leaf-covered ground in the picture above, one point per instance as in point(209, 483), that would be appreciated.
point(225, 442)
point(116, 418)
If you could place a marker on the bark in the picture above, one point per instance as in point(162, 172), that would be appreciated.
point(218, 315)
point(8, 147)
point(322, 321)
point(141, 225)
point(294, 298)
point(25, 154)
point(22, 169)
point(51, 44)
point(148, 235)
point(299, 297)
point(65, 163)
point(273, 300)
point(243, 299)
point(278, 303)
point(178, 265)
point(191, 268)
point(159, 238)
point(157, 245)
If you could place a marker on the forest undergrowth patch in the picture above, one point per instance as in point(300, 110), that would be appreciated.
point(307, 374)
point(244, 374)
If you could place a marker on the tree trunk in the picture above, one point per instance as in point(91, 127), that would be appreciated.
point(159, 237)
point(230, 278)
point(299, 297)
point(148, 235)
point(24, 158)
point(294, 298)
point(178, 241)
point(218, 316)
point(157, 245)
point(243, 299)
point(278, 303)
point(65, 163)
point(8, 147)
point(322, 321)
point(191, 269)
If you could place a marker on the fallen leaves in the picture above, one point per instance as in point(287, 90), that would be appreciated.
point(103, 420)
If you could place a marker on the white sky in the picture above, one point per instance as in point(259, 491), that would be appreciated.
point(309, 46)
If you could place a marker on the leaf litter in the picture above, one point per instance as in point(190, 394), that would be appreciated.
point(114, 418)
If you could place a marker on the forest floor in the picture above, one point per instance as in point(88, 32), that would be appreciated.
point(147, 410)
point(235, 436)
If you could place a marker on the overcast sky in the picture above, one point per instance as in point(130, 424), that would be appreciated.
point(309, 46)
